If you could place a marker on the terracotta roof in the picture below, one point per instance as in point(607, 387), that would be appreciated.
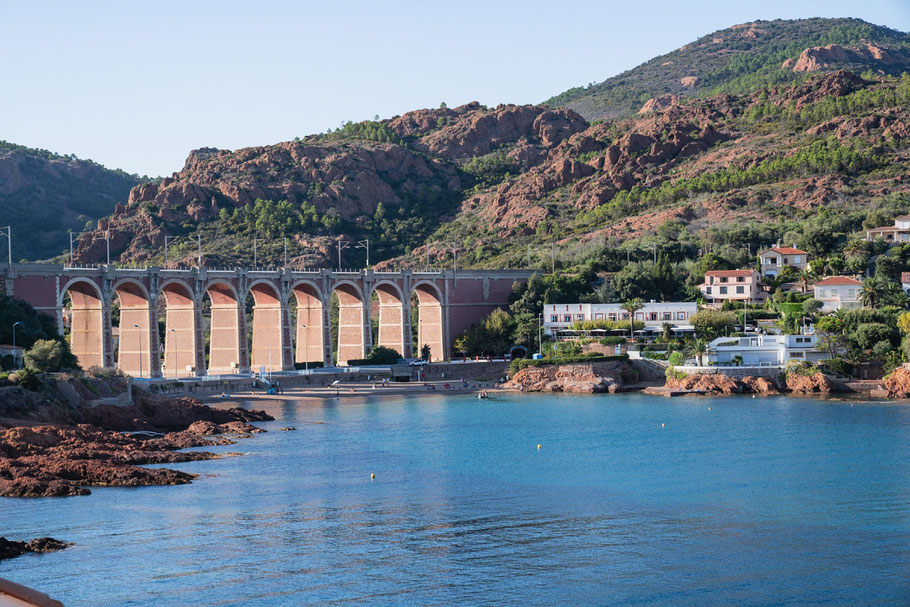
point(886, 229)
point(902, 218)
point(834, 281)
point(785, 251)
point(905, 276)
point(730, 273)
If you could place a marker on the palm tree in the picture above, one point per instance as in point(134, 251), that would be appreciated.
point(631, 307)
point(807, 276)
point(700, 349)
point(872, 292)
point(855, 248)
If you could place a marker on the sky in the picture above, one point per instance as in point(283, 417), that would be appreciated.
point(137, 86)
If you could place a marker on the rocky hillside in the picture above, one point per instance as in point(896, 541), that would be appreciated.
point(392, 182)
point(42, 195)
point(744, 58)
point(831, 145)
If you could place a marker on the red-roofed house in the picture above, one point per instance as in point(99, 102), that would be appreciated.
point(736, 285)
point(838, 292)
point(899, 232)
point(774, 259)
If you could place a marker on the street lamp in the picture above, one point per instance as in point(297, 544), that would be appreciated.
point(140, 350)
point(18, 322)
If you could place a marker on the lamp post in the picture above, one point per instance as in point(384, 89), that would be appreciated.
point(539, 338)
point(18, 322)
point(140, 350)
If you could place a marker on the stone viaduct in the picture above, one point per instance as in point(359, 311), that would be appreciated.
point(202, 303)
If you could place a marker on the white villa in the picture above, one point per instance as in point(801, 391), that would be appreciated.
point(899, 232)
point(560, 317)
point(766, 350)
point(838, 292)
point(774, 259)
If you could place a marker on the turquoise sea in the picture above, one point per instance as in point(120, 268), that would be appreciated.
point(630, 500)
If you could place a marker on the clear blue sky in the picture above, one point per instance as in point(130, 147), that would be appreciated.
point(138, 85)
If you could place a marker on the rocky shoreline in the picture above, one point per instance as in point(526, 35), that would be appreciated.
point(619, 376)
point(52, 451)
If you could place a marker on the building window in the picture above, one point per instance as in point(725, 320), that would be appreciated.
point(613, 317)
point(598, 316)
point(668, 316)
point(554, 318)
point(708, 290)
point(579, 317)
point(796, 354)
point(723, 279)
point(796, 259)
point(652, 316)
point(740, 279)
point(680, 316)
point(567, 318)
point(723, 290)
point(740, 289)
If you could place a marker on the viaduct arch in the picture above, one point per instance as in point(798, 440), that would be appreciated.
point(219, 342)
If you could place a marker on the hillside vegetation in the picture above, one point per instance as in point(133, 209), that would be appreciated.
point(42, 195)
point(745, 58)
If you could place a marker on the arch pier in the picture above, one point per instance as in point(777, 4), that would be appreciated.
point(208, 327)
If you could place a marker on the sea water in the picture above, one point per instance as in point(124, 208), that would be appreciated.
point(629, 500)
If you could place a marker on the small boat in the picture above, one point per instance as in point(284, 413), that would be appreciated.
point(483, 394)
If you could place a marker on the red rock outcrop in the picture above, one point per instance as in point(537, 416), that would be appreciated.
point(62, 460)
point(582, 378)
point(818, 58)
point(658, 103)
point(759, 385)
point(714, 383)
point(898, 383)
point(818, 383)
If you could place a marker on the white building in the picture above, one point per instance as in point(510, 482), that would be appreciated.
point(774, 259)
point(560, 317)
point(766, 350)
point(838, 292)
point(899, 232)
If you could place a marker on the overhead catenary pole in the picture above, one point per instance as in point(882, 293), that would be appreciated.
point(552, 258)
point(454, 247)
point(166, 238)
point(285, 251)
point(654, 244)
point(342, 244)
point(365, 244)
point(107, 239)
point(71, 247)
point(255, 257)
point(9, 244)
